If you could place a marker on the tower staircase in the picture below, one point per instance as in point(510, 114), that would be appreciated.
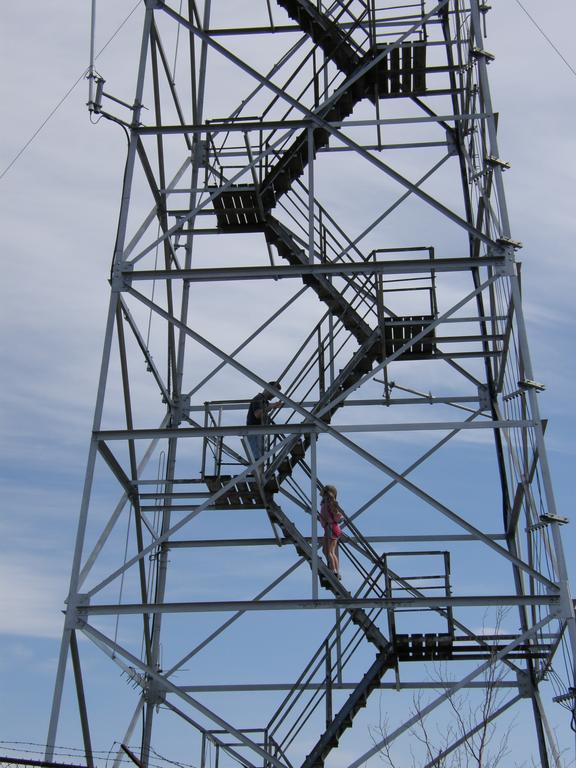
point(385, 658)
point(248, 208)
point(401, 72)
point(345, 717)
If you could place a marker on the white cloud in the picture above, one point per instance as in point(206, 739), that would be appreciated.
point(31, 595)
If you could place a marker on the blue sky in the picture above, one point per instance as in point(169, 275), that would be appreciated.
point(59, 205)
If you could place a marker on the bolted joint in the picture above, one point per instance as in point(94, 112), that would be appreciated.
point(524, 683)
point(153, 691)
point(537, 386)
point(452, 142)
point(496, 162)
point(479, 53)
point(202, 152)
point(548, 518)
point(505, 250)
point(180, 408)
point(484, 397)
point(121, 279)
point(74, 618)
point(509, 244)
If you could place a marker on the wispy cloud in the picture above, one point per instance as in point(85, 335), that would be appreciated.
point(31, 596)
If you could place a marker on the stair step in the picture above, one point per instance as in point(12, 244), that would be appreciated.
point(345, 717)
point(324, 32)
point(323, 292)
point(321, 138)
point(271, 485)
point(298, 451)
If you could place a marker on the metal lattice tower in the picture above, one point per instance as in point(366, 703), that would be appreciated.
point(315, 198)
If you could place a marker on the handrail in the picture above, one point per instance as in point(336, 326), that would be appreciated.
point(323, 233)
point(310, 360)
point(317, 661)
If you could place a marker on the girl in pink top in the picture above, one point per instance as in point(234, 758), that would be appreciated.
point(330, 517)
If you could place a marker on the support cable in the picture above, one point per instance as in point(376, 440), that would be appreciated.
point(153, 291)
point(63, 99)
point(176, 47)
point(548, 40)
point(121, 589)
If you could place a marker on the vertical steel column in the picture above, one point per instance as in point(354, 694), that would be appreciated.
point(310, 138)
point(70, 621)
point(567, 603)
point(313, 513)
point(177, 403)
point(328, 673)
point(490, 120)
point(81, 700)
point(72, 600)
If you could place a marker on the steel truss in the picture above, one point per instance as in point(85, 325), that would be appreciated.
point(314, 195)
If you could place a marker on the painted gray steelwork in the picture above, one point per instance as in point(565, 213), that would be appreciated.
point(285, 149)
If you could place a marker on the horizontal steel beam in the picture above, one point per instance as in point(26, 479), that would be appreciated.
point(242, 405)
point(247, 126)
point(395, 267)
point(297, 29)
point(375, 24)
point(307, 428)
point(228, 606)
point(340, 686)
point(262, 542)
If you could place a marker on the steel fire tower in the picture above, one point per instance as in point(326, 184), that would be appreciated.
point(313, 195)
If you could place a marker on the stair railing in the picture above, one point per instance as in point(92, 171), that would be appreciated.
point(313, 361)
point(317, 358)
point(358, 358)
point(330, 242)
point(340, 13)
point(385, 26)
point(333, 646)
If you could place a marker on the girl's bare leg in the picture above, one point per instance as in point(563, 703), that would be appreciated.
point(326, 550)
point(332, 544)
